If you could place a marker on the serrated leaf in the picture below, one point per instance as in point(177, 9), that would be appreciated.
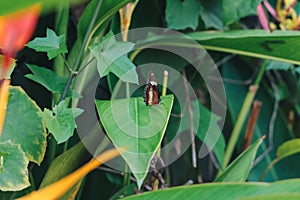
point(131, 124)
point(239, 169)
point(49, 80)
point(13, 167)
point(111, 57)
point(52, 44)
point(61, 121)
point(24, 126)
point(183, 14)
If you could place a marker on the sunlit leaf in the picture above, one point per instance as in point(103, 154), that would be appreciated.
point(24, 126)
point(61, 121)
point(139, 128)
point(52, 44)
point(111, 57)
point(13, 167)
point(225, 191)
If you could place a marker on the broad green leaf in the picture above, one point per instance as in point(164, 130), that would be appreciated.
point(278, 45)
point(276, 65)
point(12, 6)
point(183, 14)
point(111, 57)
point(288, 148)
point(274, 197)
point(49, 80)
point(52, 44)
point(13, 167)
point(239, 169)
point(224, 191)
point(234, 10)
point(131, 124)
point(61, 121)
point(211, 13)
point(24, 126)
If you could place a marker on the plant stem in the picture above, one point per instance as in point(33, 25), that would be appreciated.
point(242, 117)
point(78, 59)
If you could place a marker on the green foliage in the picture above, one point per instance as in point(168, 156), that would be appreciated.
point(235, 10)
point(23, 125)
point(182, 14)
point(13, 167)
point(239, 169)
point(61, 121)
point(227, 191)
point(130, 124)
point(111, 57)
point(278, 45)
point(49, 80)
point(83, 44)
point(52, 44)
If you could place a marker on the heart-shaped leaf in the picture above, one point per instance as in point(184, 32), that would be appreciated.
point(138, 128)
point(24, 126)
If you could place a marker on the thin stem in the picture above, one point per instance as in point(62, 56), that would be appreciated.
point(242, 117)
point(84, 43)
point(190, 111)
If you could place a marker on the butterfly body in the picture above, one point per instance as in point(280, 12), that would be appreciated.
point(151, 92)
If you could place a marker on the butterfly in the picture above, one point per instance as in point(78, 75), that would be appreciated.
point(151, 92)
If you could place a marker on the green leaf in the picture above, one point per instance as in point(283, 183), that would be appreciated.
point(49, 80)
point(183, 14)
point(131, 124)
point(274, 197)
point(61, 121)
point(234, 10)
point(111, 57)
point(288, 148)
point(211, 13)
point(24, 126)
point(239, 169)
point(13, 167)
point(226, 191)
point(276, 65)
point(278, 45)
point(52, 44)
